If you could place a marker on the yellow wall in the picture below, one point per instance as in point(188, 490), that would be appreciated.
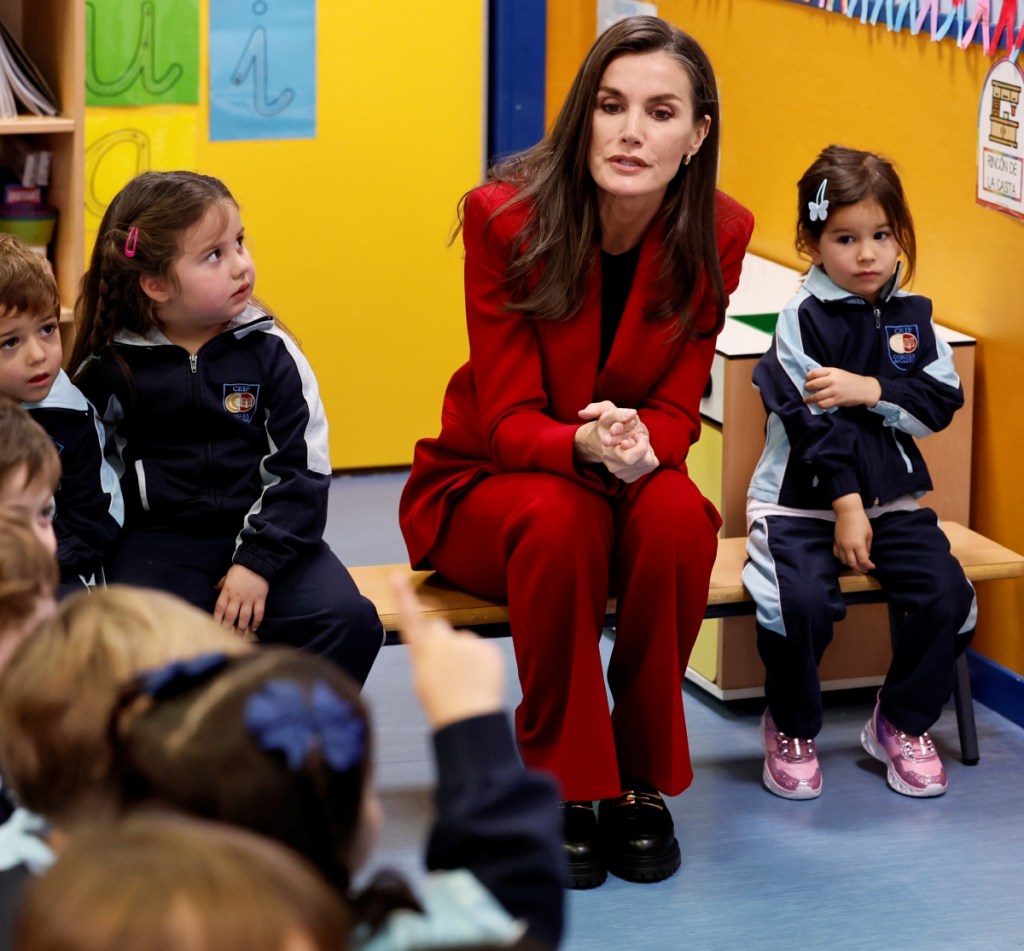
point(794, 79)
point(349, 231)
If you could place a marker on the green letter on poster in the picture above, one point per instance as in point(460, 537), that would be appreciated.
point(142, 52)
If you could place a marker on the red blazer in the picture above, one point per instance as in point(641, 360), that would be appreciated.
point(513, 406)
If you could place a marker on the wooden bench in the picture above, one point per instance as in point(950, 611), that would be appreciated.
point(982, 559)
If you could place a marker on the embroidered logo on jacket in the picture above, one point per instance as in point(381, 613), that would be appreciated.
point(902, 345)
point(240, 399)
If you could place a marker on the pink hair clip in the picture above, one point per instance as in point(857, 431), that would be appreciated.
point(132, 242)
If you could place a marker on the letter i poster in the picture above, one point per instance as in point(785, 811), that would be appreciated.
point(1000, 143)
point(262, 69)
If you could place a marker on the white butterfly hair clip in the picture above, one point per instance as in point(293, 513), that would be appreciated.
point(819, 207)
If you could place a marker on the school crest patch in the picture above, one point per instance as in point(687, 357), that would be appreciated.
point(903, 343)
point(241, 399)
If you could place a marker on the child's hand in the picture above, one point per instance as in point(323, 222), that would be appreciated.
point(616, 438)
point(853, 534)
point(830, 386)
point(456, 675)
point(243, 598)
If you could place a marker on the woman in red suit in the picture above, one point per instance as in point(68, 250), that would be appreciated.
point(598, 266)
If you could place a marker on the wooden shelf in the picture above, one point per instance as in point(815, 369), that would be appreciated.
point(52, 32)
point(36, 125)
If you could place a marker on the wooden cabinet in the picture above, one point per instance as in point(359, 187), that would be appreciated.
point(52, 32)
point(725, 659)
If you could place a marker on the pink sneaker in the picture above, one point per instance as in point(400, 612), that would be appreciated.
point(913, 765)
point(790, 764)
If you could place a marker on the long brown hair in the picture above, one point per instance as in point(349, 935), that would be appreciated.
point(157, 882)
point(140, 234)
point(562, 233)
point(854, 176)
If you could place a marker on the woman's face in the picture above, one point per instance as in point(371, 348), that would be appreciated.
point(642, 128)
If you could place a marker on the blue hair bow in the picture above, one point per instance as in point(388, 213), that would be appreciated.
point(181, 673)
point(819, 207)
point(281, 717)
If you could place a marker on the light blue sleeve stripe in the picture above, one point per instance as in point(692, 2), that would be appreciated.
point(318, 457)
point(140, 475)
point(942, 367)
point(109, 481)
point(457, 911)
point(789, 346)
point(898, 418)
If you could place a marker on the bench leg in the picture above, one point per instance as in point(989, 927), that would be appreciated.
point(965, 713)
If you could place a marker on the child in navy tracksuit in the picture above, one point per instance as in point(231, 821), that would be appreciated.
point(855, 371)
point(220, 437)
point(87, 506)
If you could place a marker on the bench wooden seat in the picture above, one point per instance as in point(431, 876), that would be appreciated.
point(982, 560)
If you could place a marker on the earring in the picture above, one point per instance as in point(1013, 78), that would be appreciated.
point(686, 161)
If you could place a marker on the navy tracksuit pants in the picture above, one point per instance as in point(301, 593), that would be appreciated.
point(793, 577)
point(313, 604)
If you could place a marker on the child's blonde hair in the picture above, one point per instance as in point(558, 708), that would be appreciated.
point(57, 693)
point(24, 443)
point(27, 284)
point(156, 882)
point(27, 571)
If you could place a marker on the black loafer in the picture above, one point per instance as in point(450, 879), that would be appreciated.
point(638, 837)
point(586, 868)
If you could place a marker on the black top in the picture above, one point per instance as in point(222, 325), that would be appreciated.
point(617, 272)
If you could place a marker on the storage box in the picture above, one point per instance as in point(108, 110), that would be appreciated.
point(34, 224)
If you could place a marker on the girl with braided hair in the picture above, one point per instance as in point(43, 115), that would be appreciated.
point(219, 434)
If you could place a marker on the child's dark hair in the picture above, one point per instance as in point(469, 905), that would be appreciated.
point(27, 284)
point(212, 742)
point(854, 176)
point(139, 235)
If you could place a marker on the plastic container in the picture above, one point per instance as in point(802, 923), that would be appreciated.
point(34, 224)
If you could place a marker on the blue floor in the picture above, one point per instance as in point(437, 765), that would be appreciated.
point(859, 868)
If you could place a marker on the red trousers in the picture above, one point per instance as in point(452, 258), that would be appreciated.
point(554, 549)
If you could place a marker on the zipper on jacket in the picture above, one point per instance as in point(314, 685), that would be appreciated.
point(193, 363)
point(878, 317)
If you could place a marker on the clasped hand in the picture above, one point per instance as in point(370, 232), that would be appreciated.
point(617, 439)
